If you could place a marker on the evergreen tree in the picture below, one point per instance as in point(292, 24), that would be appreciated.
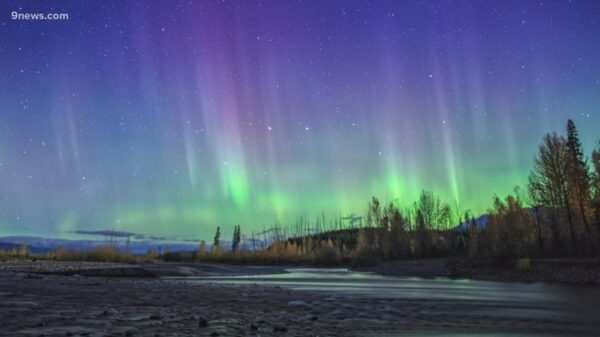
point(217, 237)
point(596, 184)
point(235, 242)
point(579, 176)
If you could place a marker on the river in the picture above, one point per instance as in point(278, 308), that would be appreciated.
point(574, 309)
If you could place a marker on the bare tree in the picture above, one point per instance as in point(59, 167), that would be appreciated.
point(430, 214)
point(535, 201)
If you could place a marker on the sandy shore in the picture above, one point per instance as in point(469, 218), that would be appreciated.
point(145, 270)
point(59, 305)
point(566, 270)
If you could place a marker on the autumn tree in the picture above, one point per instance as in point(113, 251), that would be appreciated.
point(398, 237)
point(520, 227)
point(496, 236)
point(422, 235)
point(509, 231)
point(535, 193)
point(383, 234)
point(364, 252)
point(549, 177)
point(202, 249)
point(373, 220)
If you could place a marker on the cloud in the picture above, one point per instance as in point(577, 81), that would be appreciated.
point(125, 234)
point(155, 238)
point(108, 232)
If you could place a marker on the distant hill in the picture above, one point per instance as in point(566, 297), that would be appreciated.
point(43, 245)
point(481, 222)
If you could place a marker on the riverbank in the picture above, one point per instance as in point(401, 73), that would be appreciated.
point(564, 270)
point(569, 271)
point(59, 305)
point(133, 270)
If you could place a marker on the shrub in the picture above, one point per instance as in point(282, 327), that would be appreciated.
point(327, 254)
point(524, 264)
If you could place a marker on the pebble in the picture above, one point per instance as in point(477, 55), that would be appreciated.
point(202, 322)
point(297, 303)
point(279, 329)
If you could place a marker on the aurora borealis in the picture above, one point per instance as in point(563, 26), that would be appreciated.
point(172, 117)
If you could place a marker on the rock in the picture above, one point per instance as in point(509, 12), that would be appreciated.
point(338, 314)
point(202, 323)
point(297, 303)
point(309, 318)
point(253, 327)
point(109, 311)
point(279, 329)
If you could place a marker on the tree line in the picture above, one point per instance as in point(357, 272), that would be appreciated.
point(556, 214)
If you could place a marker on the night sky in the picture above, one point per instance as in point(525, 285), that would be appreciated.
point(172, 117)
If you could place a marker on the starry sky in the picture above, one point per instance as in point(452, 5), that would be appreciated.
point(173, 117)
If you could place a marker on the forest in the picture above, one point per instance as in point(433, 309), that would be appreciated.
point(557, 214)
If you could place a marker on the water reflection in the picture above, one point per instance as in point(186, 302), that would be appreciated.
point(570, 305)
point(379, 286)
